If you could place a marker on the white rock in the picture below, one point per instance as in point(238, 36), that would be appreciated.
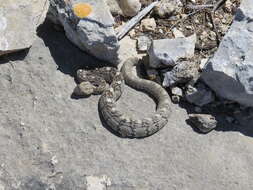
point(19, 20)
point(230, 72)
point(148, 24)
point(93, 33)
point(177, 33)
point(130, 7)
point(166, 52)
point(143, 43)
point(177, 91)
point(203, 63)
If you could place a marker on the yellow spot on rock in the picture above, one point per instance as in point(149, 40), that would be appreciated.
point(82, 10)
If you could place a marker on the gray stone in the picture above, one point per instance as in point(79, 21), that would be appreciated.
point(114, 7)
point(204, 122)
point(143, 43)
point(19, 20)
point(130, 7)
point(230, 72)
point(183, 72)
point(166, 52)
point(167, 8)
point(93, 33)
point(199, 95)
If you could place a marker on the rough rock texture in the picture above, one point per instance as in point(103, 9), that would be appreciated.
point(183, 72)
point(94, 33)
point(204, 122)
point(230, 72)
point(165, 52)
point(50, 141)
point(19, 20)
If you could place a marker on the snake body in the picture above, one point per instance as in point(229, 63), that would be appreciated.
point(120, 122)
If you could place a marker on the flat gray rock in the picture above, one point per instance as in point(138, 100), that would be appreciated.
point(92, 32)
point(230, 72)
point(19, 20)
point(166, 52)
point(49, 140)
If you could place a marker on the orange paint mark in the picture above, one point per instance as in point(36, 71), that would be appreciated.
point(82, 10)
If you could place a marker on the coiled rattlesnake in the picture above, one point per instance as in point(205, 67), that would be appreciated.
point(121, 123)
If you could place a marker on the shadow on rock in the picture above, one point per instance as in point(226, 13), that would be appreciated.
point(245, 126)
point(15, 56)
point(68, 57)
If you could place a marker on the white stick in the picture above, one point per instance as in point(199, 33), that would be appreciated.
point(131, 23)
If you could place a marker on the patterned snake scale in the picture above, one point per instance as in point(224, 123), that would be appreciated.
point(121, 123)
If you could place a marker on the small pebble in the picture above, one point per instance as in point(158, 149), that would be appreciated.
point(148, 24)
point(177, 33)
point(177, 91)
point(130, 7)
point(143, 43)
point(175, 99)
point(204, 122)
